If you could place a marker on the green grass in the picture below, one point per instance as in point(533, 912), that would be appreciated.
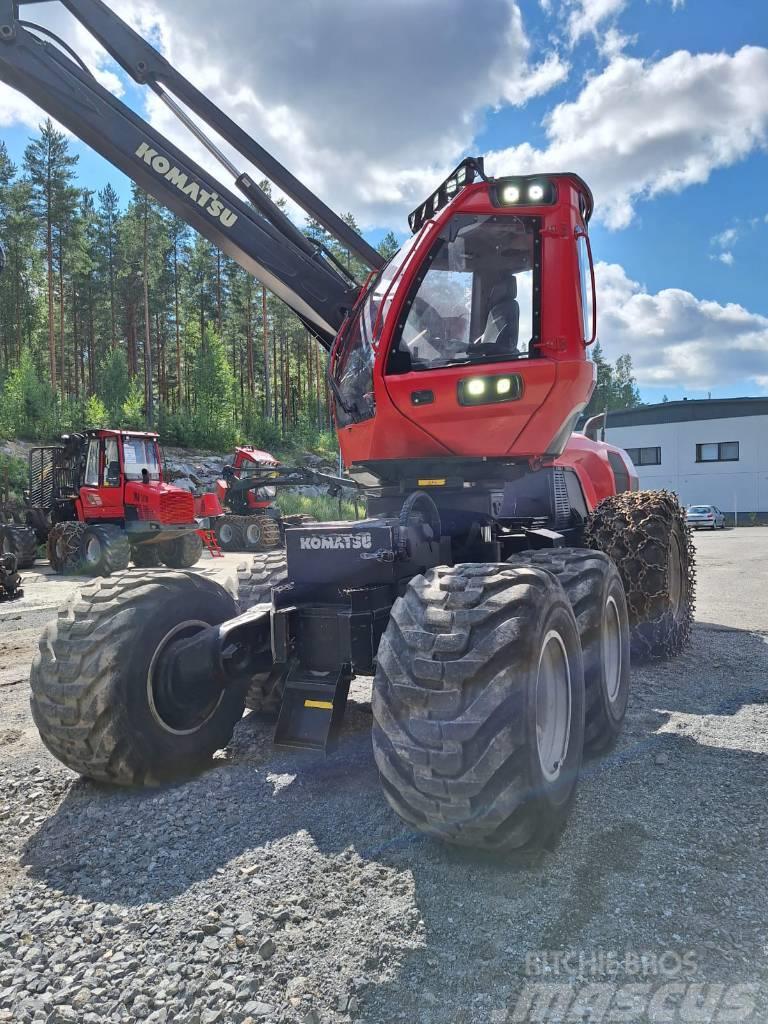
point(323, 508)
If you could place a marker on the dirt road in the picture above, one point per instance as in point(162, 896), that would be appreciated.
point(277, 887)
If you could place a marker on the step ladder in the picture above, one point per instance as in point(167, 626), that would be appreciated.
point(211, 543)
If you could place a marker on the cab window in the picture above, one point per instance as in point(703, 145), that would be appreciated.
point(585, 277)
point(92, 464)
point(474, 300)
point(111, 463)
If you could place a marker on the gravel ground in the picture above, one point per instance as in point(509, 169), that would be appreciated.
point(279, 887)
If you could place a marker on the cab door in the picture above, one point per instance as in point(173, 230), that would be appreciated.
point(102, 490)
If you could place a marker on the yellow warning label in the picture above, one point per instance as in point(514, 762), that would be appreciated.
point(325, 705)
point(431, 483)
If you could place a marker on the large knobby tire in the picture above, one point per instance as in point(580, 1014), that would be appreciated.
point(478, 706)
point(254, 586)
point(183, 552)
point(261, 533)
point(104, 550)
point(646, 534)
point(100, 700)
point(64, 547)
point(229, 533)
point(594, 588)
point(145, 556)
point(20, 541)
point(255, 581)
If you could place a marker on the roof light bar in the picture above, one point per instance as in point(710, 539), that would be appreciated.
point(467, 171)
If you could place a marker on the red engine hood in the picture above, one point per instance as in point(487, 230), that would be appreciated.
point(161, 503)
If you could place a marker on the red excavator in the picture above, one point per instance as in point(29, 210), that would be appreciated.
point(508, 565)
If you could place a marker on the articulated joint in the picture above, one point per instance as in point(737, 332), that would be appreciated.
point(231, 653)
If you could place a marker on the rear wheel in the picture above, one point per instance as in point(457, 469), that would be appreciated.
point(645, 533)
point(104, 550)
point(594, 588)
point(64, 547)
point(145, 556)
point(260, 533)
point(478, 706)
point(229, 533)
point(102, 699)
point(20, 541)
point(183, 552)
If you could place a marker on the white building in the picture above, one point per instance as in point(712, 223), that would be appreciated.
point(711, 451)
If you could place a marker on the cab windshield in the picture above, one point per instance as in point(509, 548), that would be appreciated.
point(353, 369)
point(140, 453)
point(473, 302)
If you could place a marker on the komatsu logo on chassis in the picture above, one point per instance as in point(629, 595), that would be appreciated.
point(209, 201)
point(336, 542)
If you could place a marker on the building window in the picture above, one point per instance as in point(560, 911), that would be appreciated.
point(722, 451)
point(645, 456)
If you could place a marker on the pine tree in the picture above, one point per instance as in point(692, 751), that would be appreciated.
point(49, 164)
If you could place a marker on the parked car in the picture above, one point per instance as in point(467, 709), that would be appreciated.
point(699, 516)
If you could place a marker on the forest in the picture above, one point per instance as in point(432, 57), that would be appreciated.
point(113, 312)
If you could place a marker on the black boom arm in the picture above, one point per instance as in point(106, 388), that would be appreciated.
point(255, 232)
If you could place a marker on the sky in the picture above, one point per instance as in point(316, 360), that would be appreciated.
point(661, 105)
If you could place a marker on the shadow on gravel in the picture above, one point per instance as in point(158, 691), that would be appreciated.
point(664, 851)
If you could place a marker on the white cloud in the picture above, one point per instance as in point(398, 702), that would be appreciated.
point(640, 128)
point(725, 239)
point(726, 257)
point(586, 16)
point(675, 338)
point(368, 103)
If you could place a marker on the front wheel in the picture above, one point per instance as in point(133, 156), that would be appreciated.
point(183, 552)
point(478, 706)
point(104, 550)
point(594, 588)
point(229, 533)
point(64, 546)
point(101, 698)
point(645, 533)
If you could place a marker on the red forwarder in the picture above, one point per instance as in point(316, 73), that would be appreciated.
point(98, 501)
point(507, 566)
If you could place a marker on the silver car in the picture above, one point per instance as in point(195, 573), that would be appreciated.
point(705, 516)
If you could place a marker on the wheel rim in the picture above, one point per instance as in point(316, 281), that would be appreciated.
point(225, 533)
point(253, 533)
point(60, 548)
point(92, 552)
point(553, 706)
point(174, 706)
point(675, 574)
point(612, 654)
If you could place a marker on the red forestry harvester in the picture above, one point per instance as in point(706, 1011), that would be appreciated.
point(98, 501)
point(508, 565)
point(253, 522)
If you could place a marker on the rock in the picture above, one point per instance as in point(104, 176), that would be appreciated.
point(661, 759)
point(258, 1009)
point(267, 949)
point(353, 1006)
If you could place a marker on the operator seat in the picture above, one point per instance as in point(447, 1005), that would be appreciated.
point(503, 323)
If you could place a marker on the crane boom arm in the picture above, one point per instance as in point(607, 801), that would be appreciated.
point(261, 239)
